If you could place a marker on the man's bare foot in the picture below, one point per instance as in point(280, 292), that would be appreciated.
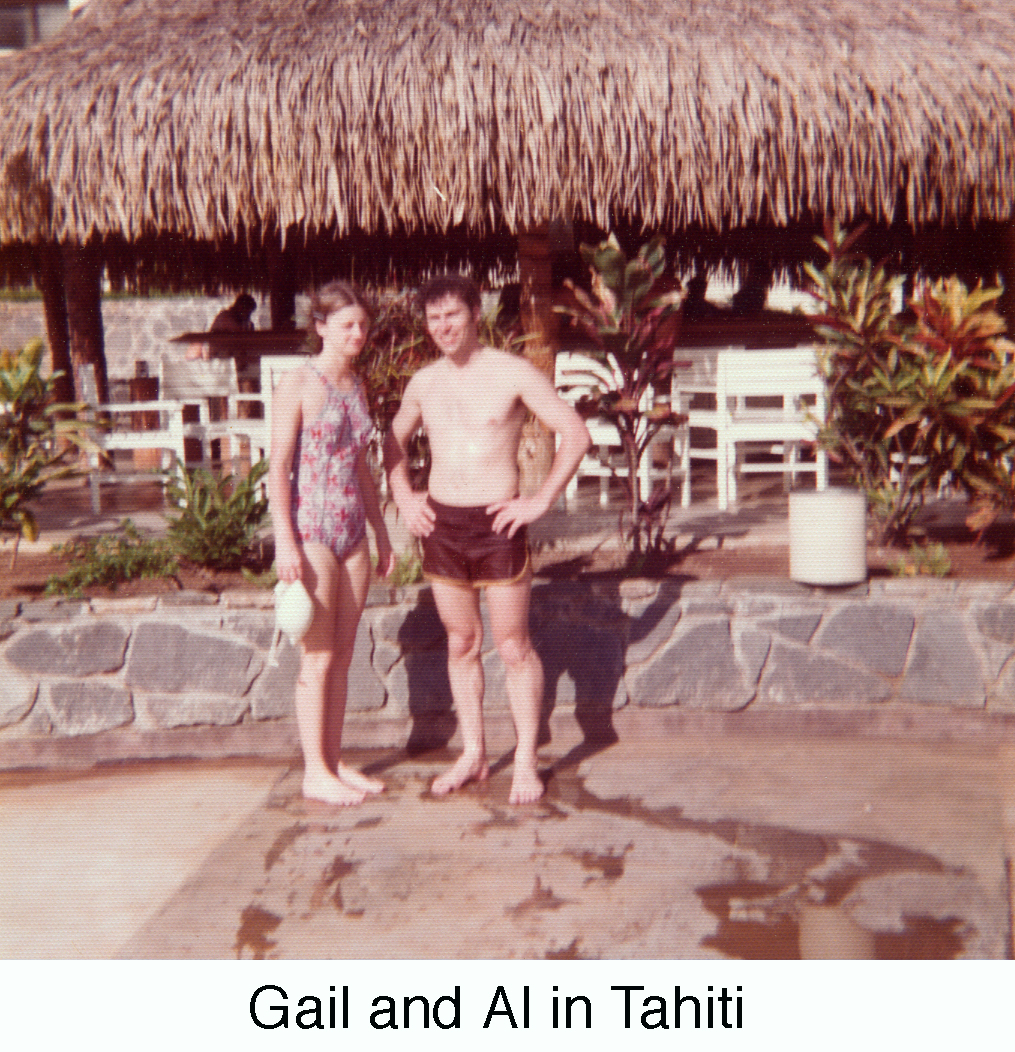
point(358, 780)
point(466, 769)
point(331, 790)
point(526, 786)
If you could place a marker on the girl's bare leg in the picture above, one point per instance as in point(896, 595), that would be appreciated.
point(352, 586)
point(321, 575)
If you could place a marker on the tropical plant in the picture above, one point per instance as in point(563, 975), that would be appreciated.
point(219, 516)
point(633, 323)
point(111, 559)
point(931, 560)
point(409, 567)
point(398, 347)
point(915, 400)
point(38, 438)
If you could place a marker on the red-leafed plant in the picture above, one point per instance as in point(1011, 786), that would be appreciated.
point(632, 320)
point(916, 400)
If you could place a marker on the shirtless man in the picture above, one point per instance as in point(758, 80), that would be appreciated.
point(472, 403)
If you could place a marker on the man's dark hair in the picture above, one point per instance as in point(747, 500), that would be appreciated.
point(458, 285)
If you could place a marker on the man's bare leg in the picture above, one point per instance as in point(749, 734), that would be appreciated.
point(509, 618)
point(459, 612)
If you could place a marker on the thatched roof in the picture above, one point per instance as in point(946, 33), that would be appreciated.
point(230, 119)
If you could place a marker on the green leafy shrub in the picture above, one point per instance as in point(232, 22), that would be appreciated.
point(932, 561)
point(219, 516)
point(38, 439)
point(263, 579)
point(111, 559)
point(915, 400)
point(408, 568)
point(632, 323)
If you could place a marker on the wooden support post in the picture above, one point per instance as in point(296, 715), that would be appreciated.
point(1006, 304)
point(282, 287)
point(49, 279)
point(82, 279)
point(541, 327)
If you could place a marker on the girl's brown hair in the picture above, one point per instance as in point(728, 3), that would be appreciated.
point(328, 299)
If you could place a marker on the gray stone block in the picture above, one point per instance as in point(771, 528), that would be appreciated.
point(82, 650)
point(87, 708)
point(995, 656)
point(419, 684)
point(873, 636)
point(195, 709)
point(256, 627)
point(593, 603)
point(583, 665)
point(651, 630)
point(495, 695)
point(167, 659)
point(419, 630)
point(17, 695)
point(698, 669)
point(53, 610)
point(797, 677)
point(385, 654)
point(997, 622)
point(752, 648)
point(365, 690)
point(944, 668)
point(1001, 697)
point(188, 598)
point(798, 627)
point(272, 696)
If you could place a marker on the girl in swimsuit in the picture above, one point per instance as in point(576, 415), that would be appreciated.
point(322, 495)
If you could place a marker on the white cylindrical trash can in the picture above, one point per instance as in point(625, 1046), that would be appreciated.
point(828, 536)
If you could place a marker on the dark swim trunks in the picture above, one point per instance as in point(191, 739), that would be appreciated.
point(463, 549)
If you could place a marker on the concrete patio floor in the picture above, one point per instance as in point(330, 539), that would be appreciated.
point(670, 844)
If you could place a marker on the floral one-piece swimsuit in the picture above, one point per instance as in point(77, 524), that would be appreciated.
point(327, 505)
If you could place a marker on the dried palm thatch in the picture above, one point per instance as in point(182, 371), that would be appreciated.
point(153, 117)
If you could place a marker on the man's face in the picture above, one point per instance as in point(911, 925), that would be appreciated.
point(451, 325)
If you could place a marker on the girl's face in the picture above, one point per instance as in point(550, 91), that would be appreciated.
point(344, 331)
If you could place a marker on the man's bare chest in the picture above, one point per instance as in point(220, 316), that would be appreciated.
point(476, 409)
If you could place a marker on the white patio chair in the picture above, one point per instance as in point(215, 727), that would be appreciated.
point(578, 374)
point(167, 437)
point(693, 392)
point(196, 383)
point(790, 378)
point(259, 431)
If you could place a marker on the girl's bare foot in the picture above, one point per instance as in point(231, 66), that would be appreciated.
point(331, 790)
point(526, 786)
point(358, 780)
point(466, 769)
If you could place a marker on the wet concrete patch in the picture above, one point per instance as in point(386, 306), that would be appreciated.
point(677, 850)
point(252, 939)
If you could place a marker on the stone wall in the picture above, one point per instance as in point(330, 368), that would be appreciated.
point(134, 329)
point(92, 668)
